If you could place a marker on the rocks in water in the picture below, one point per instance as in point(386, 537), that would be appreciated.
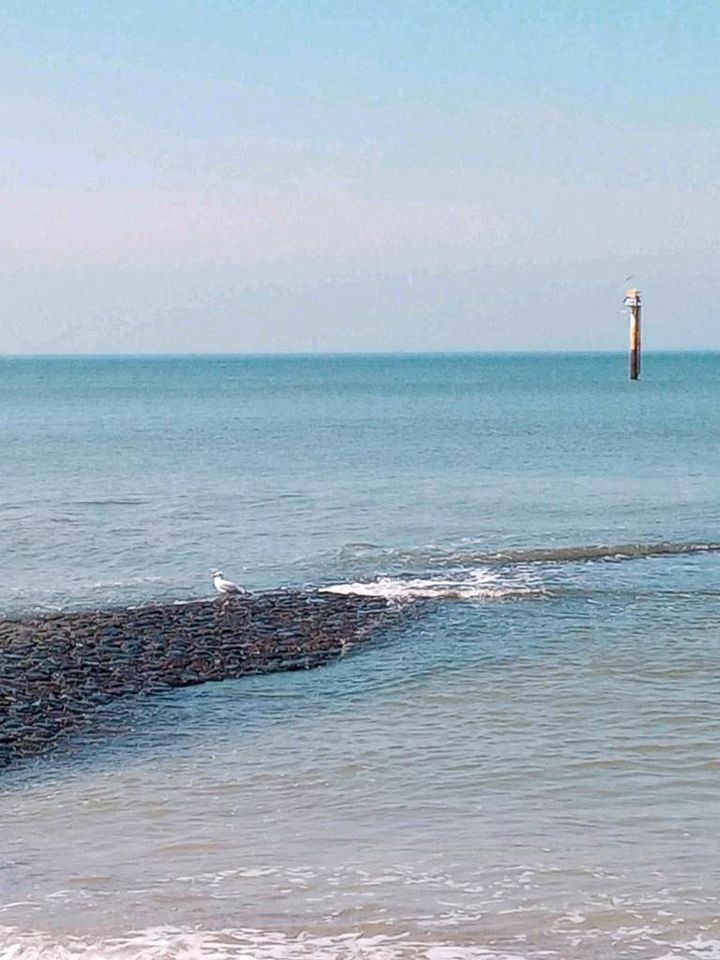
point(55, 670)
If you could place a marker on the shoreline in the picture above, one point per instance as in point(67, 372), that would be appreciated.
point(57, 669)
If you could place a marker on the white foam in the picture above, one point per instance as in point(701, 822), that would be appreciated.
point(170, 943)
point(167, 943)
point(697, 949)
point(479, 584)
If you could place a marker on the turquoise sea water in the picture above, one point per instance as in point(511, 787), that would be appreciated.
point(527, 769)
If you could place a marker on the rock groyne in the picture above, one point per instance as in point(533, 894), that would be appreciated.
point(57, 669)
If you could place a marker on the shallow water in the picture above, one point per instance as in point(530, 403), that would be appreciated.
point(525, 767)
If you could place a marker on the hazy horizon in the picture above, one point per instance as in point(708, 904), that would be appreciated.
point(327, 354)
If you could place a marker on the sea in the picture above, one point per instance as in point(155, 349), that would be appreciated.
point(525, 766)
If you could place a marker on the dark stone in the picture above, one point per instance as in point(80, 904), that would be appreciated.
point(56, 669)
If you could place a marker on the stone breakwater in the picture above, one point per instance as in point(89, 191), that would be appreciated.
point(57, 669)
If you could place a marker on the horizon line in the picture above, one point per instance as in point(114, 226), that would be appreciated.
point(269, 354)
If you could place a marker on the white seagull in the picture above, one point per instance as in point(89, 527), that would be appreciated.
point(224, 586)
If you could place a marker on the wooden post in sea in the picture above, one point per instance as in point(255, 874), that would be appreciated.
point(633, 301)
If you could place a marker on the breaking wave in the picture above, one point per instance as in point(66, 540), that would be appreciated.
point(477, 585)
point(436, 574)
point(168, 943)
point(171, 943)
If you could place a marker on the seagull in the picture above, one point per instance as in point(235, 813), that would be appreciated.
point(224, 586)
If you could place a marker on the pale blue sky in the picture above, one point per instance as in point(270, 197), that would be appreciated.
point(280, 176)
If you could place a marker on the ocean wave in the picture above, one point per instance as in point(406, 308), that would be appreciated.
point(439, 557)
point(171, 943)
point(618, 551)
point(112, 502)
point(478, 585)
point(168, 943)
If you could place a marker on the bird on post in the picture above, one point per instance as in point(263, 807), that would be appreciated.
point(225, 587)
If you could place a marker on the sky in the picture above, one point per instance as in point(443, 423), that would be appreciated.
point(407, 175)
